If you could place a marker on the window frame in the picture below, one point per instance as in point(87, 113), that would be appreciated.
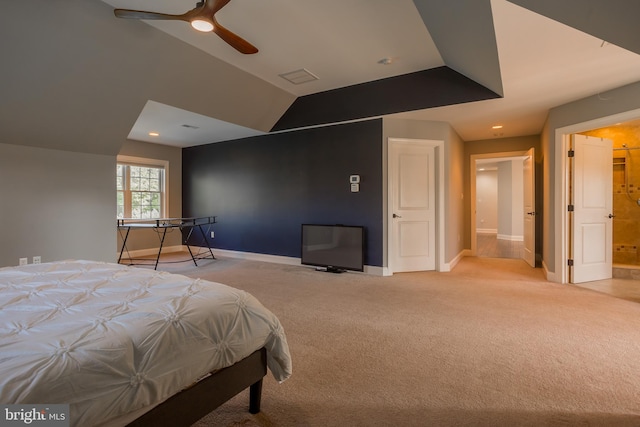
point(143, 162)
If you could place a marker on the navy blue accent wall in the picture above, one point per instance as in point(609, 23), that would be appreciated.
point(263, 188)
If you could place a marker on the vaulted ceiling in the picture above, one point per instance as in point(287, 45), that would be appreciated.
point(75, 77)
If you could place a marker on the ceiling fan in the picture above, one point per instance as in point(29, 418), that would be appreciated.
point(202, 18)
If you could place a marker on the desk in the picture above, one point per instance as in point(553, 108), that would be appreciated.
point(161, 226)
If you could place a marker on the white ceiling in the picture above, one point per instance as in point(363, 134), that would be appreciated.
point(182, 128)
point(341, 42)
point(543, 63)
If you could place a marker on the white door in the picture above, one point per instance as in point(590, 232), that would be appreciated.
point(412, 196)
point(529, 193)
point(592, 190)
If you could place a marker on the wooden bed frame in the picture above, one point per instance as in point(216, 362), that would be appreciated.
point(193, 403)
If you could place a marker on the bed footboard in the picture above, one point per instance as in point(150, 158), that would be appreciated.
point(188, 406)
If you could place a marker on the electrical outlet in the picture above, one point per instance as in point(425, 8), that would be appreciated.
point(212, 234)
point(24, 261)
point(36, 260)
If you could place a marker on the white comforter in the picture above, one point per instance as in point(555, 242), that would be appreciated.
point(109, 339)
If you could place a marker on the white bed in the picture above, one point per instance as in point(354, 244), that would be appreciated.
point(111, 340)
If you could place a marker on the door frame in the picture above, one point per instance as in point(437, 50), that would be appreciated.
point(559, 211)
point(472, 188)
point(440, 221)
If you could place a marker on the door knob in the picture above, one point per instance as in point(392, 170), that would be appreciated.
point(611, 215)
point(531, 213)
point(396, 216)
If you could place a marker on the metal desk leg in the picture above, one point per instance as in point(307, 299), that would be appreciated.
point(124, 243)
point(186, 242)
point(164, 233)
point(205, 241)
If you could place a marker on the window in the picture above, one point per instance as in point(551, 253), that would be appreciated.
point(140, 190)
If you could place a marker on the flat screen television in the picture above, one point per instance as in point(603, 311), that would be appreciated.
point(335, 247)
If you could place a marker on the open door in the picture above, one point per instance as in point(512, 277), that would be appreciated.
point(592, 200)
point(529, 193)
point(412, 194)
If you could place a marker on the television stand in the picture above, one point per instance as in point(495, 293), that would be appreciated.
point(330, 269)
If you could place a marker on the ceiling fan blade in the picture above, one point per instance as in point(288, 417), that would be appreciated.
point(205, 10)
point(234, 40)
point(141, 14)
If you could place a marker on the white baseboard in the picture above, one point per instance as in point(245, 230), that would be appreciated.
point(450, 265)
point(277, 259)
point(550, 276)
point(376, 271)
point(512, 238)
point(486, 230)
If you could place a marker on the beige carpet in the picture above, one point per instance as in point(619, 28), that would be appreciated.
point(489, 344)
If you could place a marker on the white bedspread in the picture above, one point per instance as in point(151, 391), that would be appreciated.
point(109, 339)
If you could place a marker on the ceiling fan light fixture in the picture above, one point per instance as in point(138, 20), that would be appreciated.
point(202, 18)
point(202, 25)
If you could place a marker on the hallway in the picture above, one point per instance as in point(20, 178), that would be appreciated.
point(489, 246)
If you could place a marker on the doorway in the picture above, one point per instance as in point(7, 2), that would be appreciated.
point(609, 128)
point(499, 208)
point(415, 217)
point(503, 205)
point(622, 246)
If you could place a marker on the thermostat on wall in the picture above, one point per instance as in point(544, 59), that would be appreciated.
point(354, 179)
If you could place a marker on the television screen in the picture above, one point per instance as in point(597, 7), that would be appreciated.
point(336, 247)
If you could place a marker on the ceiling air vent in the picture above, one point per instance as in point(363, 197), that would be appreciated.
point(299, 76)
point(190, 127)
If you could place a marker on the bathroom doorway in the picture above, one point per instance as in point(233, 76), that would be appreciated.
point(626, 196)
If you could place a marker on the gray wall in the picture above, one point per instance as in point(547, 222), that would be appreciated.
point(56, 204)
point(505, 199)
point(510, 199)
point(487, 200)
point(455, 197)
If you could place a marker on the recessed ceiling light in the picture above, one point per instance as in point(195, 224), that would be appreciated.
point(496, 127)
point(154, 134)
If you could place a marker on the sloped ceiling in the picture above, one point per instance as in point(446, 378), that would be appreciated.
point(79, 79)
point(76, 78)
point(610, 20)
